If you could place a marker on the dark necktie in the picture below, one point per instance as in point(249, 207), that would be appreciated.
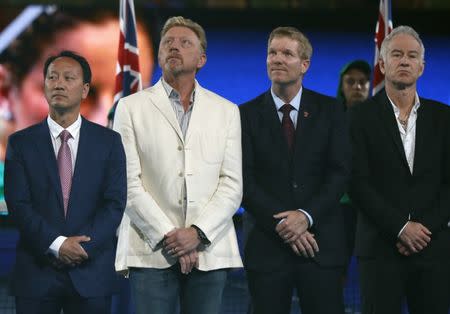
point(288, 126)
point(65, 167)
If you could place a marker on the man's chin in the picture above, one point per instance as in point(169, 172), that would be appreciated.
point(57, 105)
point(62, 108)
point(357, 99)
point(400, 85)
point(174, 69)
point(280, 80)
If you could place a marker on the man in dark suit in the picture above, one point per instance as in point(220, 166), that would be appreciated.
point(295, 168)
point(65, 187)
point(401, 186)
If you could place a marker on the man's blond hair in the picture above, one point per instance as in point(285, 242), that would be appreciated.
point(304, 46)
point(184, 22)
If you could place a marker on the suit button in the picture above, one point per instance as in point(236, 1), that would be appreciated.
point(180, 148)
point(294, 185)
point(180, 174)
point(180, 202)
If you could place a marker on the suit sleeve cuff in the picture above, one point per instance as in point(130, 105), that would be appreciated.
point(56, 245)
point(310, 220)
point(201, 236)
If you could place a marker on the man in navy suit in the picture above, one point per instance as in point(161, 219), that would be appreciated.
point(65, 187)
point(295, 150)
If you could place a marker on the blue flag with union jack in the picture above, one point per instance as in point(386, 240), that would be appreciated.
point(128, 76)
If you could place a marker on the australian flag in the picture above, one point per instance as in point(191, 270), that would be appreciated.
point(383, 28)
point(128, 77)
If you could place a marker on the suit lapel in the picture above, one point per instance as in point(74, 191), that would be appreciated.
point(199, 112)
point(423, 132)
point(85, 145)
point(45, 148)
point(305, 120)
point(271, 133)
point(391, 126)
point(271, 121)
point(162, 102)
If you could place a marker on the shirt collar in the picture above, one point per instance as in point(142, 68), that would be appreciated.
point(414, 108)
point(173, 94)
point(295, 102)
point(56, 129)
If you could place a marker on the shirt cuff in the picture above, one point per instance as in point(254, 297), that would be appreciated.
point(310, 220)
point(56, 245)
point(404, 226)
point(307, 216)
point(401, 230)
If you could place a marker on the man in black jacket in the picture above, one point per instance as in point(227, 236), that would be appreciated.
point(401, 185)
point(295, 167)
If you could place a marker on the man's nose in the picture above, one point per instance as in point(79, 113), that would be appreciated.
point(59, 83)
point(174, 44)
point(405, 61)
point(276, 58)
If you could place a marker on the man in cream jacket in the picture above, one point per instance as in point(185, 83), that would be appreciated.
point(183, 149)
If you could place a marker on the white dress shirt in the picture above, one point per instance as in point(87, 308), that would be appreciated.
point(183, 118)
point(408, 136)
point(293, 114)
point(55, 130)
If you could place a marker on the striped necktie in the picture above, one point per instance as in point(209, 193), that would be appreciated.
point(65, 167)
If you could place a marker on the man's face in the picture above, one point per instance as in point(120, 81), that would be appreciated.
point(64, 87)
point(404, 63)
point(180, 52)
point(28, 103)
point(284, 64)
point(355, 86)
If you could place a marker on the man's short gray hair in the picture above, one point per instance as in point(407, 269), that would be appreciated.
point(407, 30)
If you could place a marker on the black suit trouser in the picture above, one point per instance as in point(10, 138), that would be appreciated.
point(319, 289)
point(386, 281)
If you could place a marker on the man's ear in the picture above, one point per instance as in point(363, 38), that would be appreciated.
point(304, 64)
point(86, 87)
point(201, 61)
point(381, 65)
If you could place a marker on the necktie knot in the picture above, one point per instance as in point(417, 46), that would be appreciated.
point(64, 136)
point(286, 109)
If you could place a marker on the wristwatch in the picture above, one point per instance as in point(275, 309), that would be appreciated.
point(201, 236)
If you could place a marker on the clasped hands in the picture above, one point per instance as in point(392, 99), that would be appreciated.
point(293, 229)
point(413, 238)
point(182, 243)
point(71, 253)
